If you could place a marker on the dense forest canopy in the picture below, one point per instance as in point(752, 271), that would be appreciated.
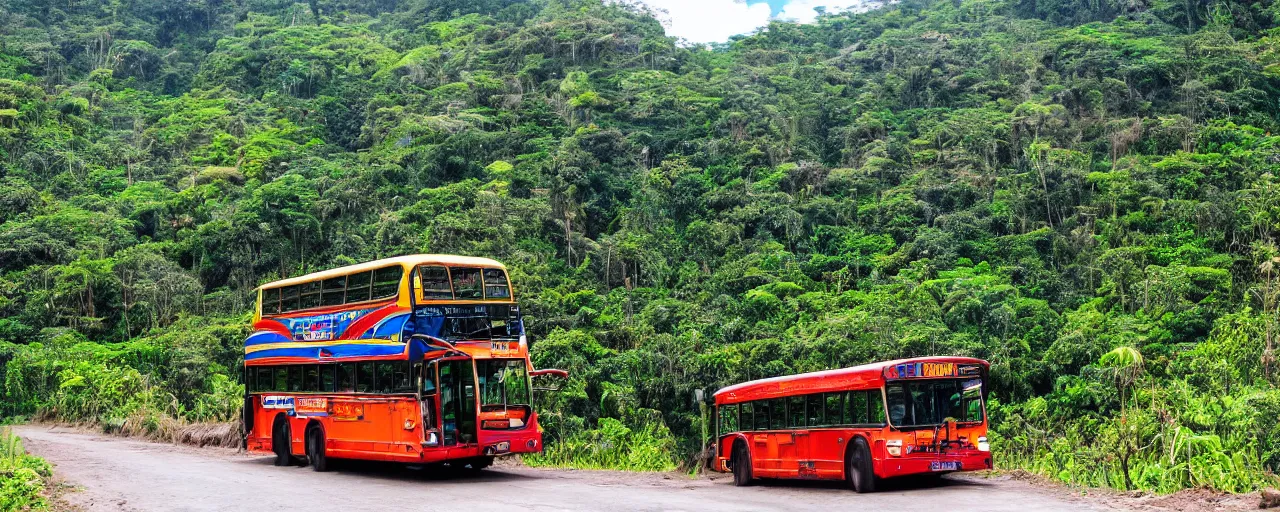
point(1083, 193)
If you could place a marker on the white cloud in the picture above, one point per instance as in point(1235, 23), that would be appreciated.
point(805, 11)
point(709, 21)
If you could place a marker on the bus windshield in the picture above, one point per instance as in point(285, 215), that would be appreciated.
point(933, 402)
point(478, 322)
point(503, 383)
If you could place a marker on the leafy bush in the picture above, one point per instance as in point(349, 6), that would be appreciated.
point(648, 446)
point(22, 476)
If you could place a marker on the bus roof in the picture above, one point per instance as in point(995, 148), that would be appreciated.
point(408, 261)
point(866, 376)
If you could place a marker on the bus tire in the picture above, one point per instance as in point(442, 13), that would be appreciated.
point(858, 470)
point(315, 448)
point(280, 441)
point(741, 465)
point(474, 465)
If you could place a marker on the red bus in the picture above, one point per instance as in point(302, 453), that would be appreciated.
point(859, 424)
point(419, 359)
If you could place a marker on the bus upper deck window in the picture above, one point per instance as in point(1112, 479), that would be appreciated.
point(333, 291)
point(271, 301)
point(386, 281)
point(434, 283)
point(358, 287)
point(289, 299)
point(495, 284)
point(466, 283)
point(310, 295)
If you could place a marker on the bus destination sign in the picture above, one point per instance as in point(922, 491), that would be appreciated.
point(922, 370)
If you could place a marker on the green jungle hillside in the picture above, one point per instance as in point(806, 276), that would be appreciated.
point(1083, 193)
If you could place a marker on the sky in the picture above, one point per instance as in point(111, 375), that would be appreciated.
point(714, 21)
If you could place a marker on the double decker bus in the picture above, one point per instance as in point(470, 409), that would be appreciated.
point(419, 359)
point(859, 424)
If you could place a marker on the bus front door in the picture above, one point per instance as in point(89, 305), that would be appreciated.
point(457, 402)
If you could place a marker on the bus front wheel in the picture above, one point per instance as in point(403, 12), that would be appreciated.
point(315, 449)
point(858, 469)
point(741, 465)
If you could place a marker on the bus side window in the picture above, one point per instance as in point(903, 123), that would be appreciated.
point(271, 301)
point(333, 291)
point(728, 418)
point(327, 377)
point(386, 281)
point(795, 411)
point(386, 382)
point(763, 412)
point(364, 378)
point(402, 382)
point(815, 408)
point(346, 377)
point(295, 378)
point(289, 299)
point(875, 407)
point(358, 286)
point(777, 414)
point(835, 402)
point(280, 378)
point(311, 378)
point(858, 407)
point(898, 397)
point(265, 380)
point(310, 295)
point(745, 418)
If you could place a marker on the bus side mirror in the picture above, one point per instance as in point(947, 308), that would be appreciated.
point(559, 375)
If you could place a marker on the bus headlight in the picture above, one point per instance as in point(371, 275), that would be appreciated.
point(894, 447)
point(983, 446)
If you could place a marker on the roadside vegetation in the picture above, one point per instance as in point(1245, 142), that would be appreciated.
point(1082, 193)
point(23, 477)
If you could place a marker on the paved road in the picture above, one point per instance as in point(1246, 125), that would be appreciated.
point(116, 474)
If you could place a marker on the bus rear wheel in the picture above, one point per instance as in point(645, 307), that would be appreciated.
point(280, 442)
point(741, 466)
point(858, 469)
point(473, 466)
point(315, 449)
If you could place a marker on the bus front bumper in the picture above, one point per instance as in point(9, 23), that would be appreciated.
point(921, 463)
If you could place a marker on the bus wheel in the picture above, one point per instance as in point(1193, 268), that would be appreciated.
point(858, 467)
point(741, 465)
point(315, 449)
point(280, 442)
point(474, 466)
